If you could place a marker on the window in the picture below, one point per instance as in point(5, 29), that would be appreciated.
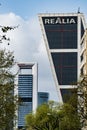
point(61, 35)
point(65, 65)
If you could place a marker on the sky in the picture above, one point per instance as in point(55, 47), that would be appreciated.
point(27, 41)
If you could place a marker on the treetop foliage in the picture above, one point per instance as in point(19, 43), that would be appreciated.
point(4, 30)
point(8, 101)
point(53, 116)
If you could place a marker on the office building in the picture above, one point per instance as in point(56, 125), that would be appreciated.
point(27, 90)
point(63, 36)
point(43, 97)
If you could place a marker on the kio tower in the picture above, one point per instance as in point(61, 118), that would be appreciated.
point(63, 35)
point(27, 91)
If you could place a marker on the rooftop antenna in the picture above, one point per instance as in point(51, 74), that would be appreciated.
point(79, 10)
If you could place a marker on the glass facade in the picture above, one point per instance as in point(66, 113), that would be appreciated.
point(65, 65)
point(25, 85)
point(61, 36)
point(64, 36)
point(61, 33)
point(43, 97)
point(23, 110)
point(66, 94)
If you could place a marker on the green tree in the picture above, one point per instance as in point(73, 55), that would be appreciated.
point(74, 112)
point(69, 119)
point(4, 30)
point(7, 99)
point(54, 116)
point(45, 118)
point(71, 115)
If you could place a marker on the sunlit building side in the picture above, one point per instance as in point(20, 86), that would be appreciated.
point(83, 54)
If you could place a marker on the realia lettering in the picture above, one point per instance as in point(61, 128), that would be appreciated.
point(59, 20)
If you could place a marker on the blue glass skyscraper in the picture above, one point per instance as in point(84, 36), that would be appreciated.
point(27, 91)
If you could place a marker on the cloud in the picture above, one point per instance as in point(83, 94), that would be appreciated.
point(28, 46)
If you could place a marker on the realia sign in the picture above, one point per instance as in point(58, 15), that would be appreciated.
point(60, 20)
